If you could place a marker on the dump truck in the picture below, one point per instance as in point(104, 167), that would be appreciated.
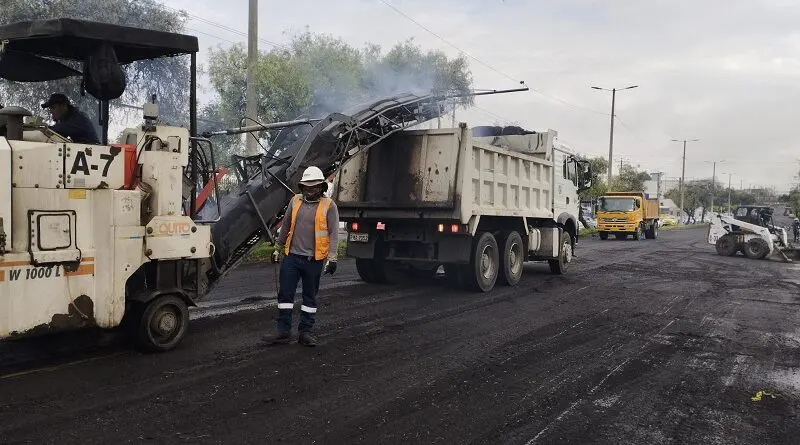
point(627, 213)
point(478, 202)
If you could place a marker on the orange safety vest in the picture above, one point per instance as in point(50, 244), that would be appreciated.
point(322, 242)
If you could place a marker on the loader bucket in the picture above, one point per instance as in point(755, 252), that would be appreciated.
point(789, 254)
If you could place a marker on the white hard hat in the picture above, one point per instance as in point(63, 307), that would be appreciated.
point(312, 176)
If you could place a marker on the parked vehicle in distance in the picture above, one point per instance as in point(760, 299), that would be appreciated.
point(667, 220)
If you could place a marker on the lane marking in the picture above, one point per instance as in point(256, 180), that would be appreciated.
point(559, 334)
point(669, 306)
point(57, 367)
point(567, 411)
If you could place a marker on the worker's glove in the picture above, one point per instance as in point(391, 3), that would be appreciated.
point(330, 267)
point(278, 254)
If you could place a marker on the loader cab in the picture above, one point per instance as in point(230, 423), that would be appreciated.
point(95, 56)
point(758, 215)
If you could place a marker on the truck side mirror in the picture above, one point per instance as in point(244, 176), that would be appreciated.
point(585, 176)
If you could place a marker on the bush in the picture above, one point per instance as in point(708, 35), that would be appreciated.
point(262, 252)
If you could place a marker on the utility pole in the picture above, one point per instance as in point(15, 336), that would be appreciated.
point(729, 192)
point(683, 170)
point(713, 185)
point(611, 135)
point(251, 96)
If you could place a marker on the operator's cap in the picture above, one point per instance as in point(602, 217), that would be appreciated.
point(56, 98)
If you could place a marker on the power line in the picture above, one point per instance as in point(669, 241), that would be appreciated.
point(496, 116)
point(212, 35)
point(630, 130)
point(226, 28)
point(385, 2)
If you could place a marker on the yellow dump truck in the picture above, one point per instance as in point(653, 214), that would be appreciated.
point(627, 213)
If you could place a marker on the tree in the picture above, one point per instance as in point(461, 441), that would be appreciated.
point(318, 74)
point(697, 194)
point(794, 200)
point(167, 78)
point(629, 179)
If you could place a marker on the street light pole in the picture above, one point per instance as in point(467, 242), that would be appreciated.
point(251, 94)
point(729, 192)
point(683, 171)
point(611, 133)
point(611, 138)
point(714, 183)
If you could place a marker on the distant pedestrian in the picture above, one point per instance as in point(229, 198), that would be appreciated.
point(796, 229)
point(308, 244)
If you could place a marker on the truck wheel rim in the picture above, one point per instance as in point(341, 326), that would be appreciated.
point(515, 258)
point(164, 325)
point(567, 252)
point(487, 265)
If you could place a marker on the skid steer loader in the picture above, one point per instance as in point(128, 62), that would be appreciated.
point(752, 232)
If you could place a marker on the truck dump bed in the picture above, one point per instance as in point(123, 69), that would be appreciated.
point(447, 174)
point(651, 208)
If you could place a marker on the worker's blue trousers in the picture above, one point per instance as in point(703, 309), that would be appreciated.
point(293, 269)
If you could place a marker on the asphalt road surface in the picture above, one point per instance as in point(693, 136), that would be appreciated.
point(642, 342)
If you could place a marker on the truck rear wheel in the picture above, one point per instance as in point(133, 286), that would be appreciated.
point(756, 248)
point(366, 270)
point(726, 245)
point(424, 273)
point(512, 258)
point(481, 274)
point(559, 265)
point(652, 232)
point(163, 324)
point(388, 272)
point(454, 274)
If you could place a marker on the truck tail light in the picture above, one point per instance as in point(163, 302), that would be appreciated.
point(354, 227)
point(441, 228)
point(380, 226)
point(454, 228)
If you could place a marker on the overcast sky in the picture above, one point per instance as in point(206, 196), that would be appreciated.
point(726, 72)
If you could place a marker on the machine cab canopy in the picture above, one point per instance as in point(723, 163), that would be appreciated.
point(28, 48)
point(46, 50)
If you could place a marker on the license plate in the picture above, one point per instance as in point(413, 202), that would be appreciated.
point(359, 237)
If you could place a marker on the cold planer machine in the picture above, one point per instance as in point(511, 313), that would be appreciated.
point(135, 233)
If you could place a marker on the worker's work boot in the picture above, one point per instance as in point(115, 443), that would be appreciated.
point(282, 338)
point(306, 339)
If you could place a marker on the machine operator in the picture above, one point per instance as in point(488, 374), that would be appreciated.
point(70, 121)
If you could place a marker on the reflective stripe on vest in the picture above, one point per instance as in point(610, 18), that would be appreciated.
point(322, 240)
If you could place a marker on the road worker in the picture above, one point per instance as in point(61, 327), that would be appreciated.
point(796, 229)
point(307, 243)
